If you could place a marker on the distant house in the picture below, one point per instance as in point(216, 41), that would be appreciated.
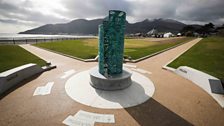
point(196, 34)
point(167, 35)
point(220, 30)
point(160, 35)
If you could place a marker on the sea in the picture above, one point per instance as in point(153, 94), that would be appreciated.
point(13, 38)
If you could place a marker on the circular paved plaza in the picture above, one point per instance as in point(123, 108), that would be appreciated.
point(176, 101)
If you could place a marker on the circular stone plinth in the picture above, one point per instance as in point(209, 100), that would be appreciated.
point(116, 82)
point(79, 89)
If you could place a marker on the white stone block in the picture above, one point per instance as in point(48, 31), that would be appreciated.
point(141, 71)
point(202, 80)
point(71, 121)
point(43, 90)
point(95, 117)
point(67, 74)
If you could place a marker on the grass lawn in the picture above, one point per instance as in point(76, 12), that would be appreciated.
point(207, 56)
point(138, 52)
point(82, 48)
point(12, 56)
point(88, 48)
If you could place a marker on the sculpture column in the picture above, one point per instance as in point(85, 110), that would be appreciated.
point(111, 43)
point(110, 74)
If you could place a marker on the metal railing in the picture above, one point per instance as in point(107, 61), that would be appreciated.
point(15, 41)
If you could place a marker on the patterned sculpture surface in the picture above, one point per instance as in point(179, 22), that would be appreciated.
point(111, 43)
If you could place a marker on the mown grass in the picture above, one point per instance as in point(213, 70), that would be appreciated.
point(88, 48)
point(206, 56)
point(136, 53)
point(12, 56)
point(77, 48)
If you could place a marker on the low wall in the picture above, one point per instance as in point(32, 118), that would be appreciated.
point(10, 78)
point(205, 81)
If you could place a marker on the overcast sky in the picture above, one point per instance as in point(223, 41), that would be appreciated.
point(20, 15)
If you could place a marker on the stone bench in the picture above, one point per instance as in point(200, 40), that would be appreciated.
point(12, 77)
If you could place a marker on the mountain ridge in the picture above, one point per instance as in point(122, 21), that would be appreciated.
point(90, 27)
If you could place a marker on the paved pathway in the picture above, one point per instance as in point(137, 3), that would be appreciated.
point(176, 101)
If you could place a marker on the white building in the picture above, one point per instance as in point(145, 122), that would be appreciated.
point(167, 35)
point(179, 34)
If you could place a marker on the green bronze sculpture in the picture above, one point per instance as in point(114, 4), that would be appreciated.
point(110, 75)
point(111, 43)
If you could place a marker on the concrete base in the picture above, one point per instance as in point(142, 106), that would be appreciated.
point(79, 89)
point(116, 82)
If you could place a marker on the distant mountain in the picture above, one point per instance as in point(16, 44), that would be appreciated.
point(80, 26)
point(162, 25)
point(90, 27)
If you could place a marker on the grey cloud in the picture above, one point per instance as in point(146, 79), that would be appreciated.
point(94, 8)
point(27, 15)
point(204, 11)
point(9, 21)
point(153, 9)
point(20, 11)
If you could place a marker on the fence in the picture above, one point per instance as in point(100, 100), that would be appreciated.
point(36, 40)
